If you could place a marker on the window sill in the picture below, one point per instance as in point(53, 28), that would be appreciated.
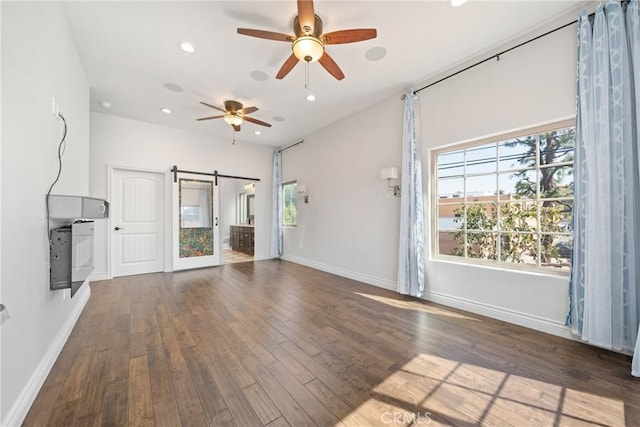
point(504, 267)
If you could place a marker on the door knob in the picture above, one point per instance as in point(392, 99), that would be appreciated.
point(118, 228)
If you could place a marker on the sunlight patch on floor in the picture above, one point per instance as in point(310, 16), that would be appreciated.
point(599, 410)
point(433, 390)
point(416, 306)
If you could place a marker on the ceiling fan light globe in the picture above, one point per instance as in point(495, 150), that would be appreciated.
point(233, 119)
point(308, 48)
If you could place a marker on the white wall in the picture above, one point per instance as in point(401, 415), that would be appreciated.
point(39, 61)
point(121, 142)
point(350, 225)
point(350, 228)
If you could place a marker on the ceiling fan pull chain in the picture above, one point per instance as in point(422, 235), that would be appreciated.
point(306, 75)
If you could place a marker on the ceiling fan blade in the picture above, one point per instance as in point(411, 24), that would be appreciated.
point(330, 65)
point(349, 36)
point(213, 106)
point(306, 15)
point(248, 110)
point(236, 128)
point(256, 121)
point(287, 66)
point(212, 117)
point(269, 35)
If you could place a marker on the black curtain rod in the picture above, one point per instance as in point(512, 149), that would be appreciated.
point(496, 56)
point(215, 174)
point(291, 146)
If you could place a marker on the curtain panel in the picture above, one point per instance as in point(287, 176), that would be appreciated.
point(605, 299)
point(411, 247)
point(276, 193)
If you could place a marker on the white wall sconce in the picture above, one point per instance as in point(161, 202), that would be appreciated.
point(250, 188)
point(301, 189)
point(389, 174)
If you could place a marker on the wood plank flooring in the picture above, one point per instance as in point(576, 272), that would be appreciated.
point(229, 256)
point(272, 343)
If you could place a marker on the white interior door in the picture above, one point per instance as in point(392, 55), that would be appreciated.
point(196, 230)
point(137, 222)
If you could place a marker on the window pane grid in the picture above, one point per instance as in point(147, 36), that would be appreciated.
point(556, 199)
point(549, 233)
point(480, 202)
point(517, 221)
point(555, 165)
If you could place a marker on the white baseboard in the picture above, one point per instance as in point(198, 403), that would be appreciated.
point(21, 407)
point(500, 313)
point(364, 278)
point(95, 277)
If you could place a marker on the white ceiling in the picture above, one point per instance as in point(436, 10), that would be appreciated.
point(130, 51)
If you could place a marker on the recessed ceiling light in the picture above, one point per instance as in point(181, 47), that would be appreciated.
point(376, 53)
point(257, 132)
point(187, 47)
point(259, 76)
point(311, 97)
point(173, 87)
point(105, 104)
point(456, 3)
point(165, 110)
point(278, 119)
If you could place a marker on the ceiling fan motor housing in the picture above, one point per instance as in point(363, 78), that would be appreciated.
point(232, 106)
point(306, 31)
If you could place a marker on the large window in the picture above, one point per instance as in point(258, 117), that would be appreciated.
point(290, 213)
point(507, 199)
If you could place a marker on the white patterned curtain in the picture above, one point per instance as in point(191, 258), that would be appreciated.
point(605, 299)
point(411, 249)
point(276, 228)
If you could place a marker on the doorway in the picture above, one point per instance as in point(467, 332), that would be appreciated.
point(238, 213)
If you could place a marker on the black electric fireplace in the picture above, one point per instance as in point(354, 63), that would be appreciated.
point(71, 255)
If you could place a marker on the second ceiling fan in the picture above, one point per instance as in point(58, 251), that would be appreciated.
point(234, 114)
point(309, 41)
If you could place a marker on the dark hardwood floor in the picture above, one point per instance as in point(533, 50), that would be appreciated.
point(275, 343)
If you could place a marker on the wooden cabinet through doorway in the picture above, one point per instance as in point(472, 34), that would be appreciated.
point(242, 239)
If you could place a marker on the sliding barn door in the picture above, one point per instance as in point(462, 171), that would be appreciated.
point(196, 236)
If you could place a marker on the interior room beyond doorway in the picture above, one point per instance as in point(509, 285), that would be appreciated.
point(237, 215)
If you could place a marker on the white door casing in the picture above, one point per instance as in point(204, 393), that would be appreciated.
point(137, 222)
